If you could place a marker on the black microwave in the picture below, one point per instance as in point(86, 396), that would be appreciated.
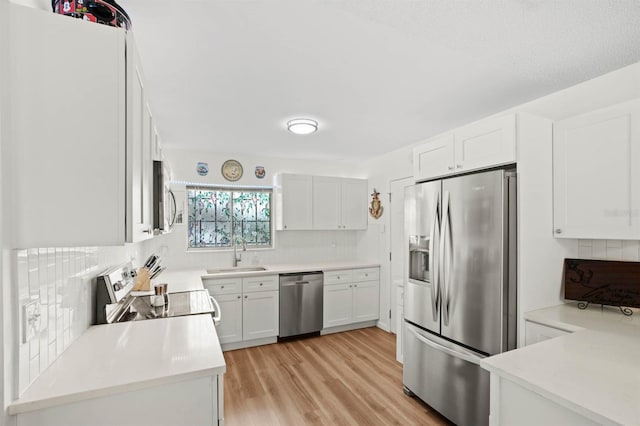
point(164, 201)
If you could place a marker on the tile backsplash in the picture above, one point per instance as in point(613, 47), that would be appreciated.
point(628, 250)
point(60, 280)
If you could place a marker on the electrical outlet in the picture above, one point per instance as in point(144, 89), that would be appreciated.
point(30, 320)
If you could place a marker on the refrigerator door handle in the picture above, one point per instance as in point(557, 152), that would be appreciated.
point(445, 257)
point(435, 288)
point(458, 353)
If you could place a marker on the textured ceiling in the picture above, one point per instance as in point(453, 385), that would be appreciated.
point(376, 74)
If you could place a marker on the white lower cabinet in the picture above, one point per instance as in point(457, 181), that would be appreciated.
point(229, 328)
point(351, 296)
point(338, 305)
point(199, 403)
point(249, 310)
point(260, 315)
point(534, 332)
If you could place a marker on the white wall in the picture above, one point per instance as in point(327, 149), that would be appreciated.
point(290, 246)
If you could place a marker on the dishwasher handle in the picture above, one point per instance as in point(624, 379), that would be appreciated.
point(295, 283)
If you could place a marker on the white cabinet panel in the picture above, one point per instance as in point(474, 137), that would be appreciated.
point(353, 202)
point(223, 285)
point(351, 296)
point(434, 158)
point(262, 283)
point(293, 195)
point(229, 328)
point(487, 143)
point(260, 315)
point(327, 209)
point(86, 162)
point(596, 178)
point(320, 202)
point(68, 131)
point(366, 300)
point(338, 305)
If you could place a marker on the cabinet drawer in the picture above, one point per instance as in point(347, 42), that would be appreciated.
point(263, 283)
point(366, 274)
point(338, 277)
point(223, 286)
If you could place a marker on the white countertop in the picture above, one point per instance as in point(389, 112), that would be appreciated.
point(114, 358)
point(179, 280)
point(289, 268)
point(594, 371)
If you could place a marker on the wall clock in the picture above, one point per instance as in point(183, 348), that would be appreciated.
point(232, 170)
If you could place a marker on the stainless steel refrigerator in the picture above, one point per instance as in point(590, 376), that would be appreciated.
point(460, 295)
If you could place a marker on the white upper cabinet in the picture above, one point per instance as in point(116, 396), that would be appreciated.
point(293, 194)
point(434, 158)
point(327, 208)
point(339, 203)
point(82, 174)
point(305, 202)
point(353, 202)
point(487, 143)
point(596, 186)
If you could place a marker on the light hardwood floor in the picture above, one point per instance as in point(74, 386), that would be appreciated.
point(349, 378)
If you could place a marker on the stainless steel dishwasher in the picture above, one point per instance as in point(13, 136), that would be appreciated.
point(300, 303)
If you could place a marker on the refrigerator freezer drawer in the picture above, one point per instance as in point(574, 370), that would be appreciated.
point(446, 377)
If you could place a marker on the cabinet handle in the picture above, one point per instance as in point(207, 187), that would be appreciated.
point(261, 284)
point(221, 287)
point(355, 285)
point(246, 297)
point(285, 227)
point(558, 231)
point(366, 275)
point(239, 297)
point(350, 286)
point(459, 166)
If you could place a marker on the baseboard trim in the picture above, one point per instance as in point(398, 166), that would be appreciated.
point(347, 327)
point(248, 344)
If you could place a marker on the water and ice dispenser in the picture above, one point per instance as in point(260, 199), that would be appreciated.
point(419, 258)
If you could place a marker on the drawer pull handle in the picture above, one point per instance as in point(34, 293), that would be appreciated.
point(221, 287)
point(239, 297)
point(260, 283)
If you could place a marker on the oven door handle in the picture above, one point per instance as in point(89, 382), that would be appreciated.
point(218, 315)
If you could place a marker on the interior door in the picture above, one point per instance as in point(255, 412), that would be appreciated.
point(402, 204)
point(421, 294)
point(473, 261)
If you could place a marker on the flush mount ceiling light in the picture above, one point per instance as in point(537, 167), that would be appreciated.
point(302, 126)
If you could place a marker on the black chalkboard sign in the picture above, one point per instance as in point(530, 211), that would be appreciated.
point(602, 281)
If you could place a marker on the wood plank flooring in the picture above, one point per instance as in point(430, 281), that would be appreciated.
point(349, 378)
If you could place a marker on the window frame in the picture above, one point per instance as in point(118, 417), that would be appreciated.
point(231, 189)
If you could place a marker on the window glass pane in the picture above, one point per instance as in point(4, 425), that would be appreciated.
point(217, 217)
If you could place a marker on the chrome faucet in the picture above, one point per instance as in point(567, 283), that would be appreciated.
point(237, 257)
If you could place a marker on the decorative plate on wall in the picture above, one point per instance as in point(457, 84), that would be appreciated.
point(232, 170)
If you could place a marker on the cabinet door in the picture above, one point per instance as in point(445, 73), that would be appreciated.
point(354, 203)
point(433, 158)
point(366, 297)
point(337, 305)
point(137, 138)
point(68, 128)
point(229, 328)
point(326, 202)
point(487, 143)
point(294, 201)
point(260, 315)
point(595, 174)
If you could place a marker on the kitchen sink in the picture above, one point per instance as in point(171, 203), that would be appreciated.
point(228, 270)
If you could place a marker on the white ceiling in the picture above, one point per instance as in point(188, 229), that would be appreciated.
point(377, 74)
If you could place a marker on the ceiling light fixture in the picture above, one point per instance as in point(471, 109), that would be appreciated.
point(302, 126)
